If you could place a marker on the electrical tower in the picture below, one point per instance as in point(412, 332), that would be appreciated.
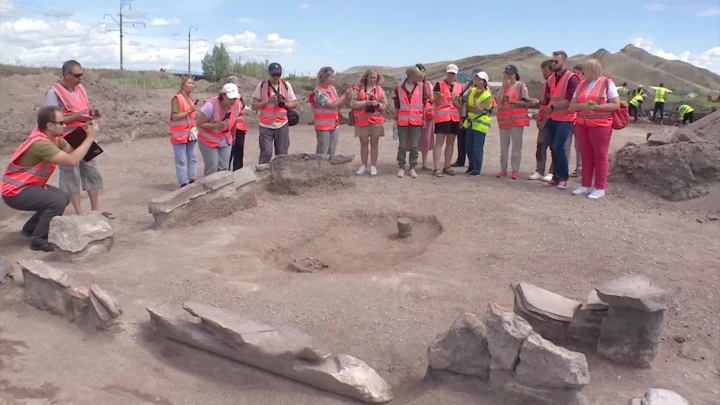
point(189, 42)
point(121, 23)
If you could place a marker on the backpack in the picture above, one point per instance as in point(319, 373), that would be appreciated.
point(293, 116)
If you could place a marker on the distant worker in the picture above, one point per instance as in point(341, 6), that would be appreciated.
point(427, 137)
point(634, 105)
point(70, 95)
point(660, 94)
point(325, 105)
point(216, 125)
point(640, 90)
point(446, 98)
point(624, 92)
point(410, 113)
point(237, 153)
point(685, 114)
point(512, 118)
point(368, 103)
point(477, 122)
point(272, 99)
point(542, 142)
point(24, 184)
point(183, 134)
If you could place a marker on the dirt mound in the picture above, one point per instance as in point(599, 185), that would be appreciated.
point(680, 166)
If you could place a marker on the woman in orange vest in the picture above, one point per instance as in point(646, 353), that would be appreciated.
point(447, 98)
point(512, 118)
point(594, 100)
point(216, 125)
point(325, 105)
point(368, 103)
point(183, 134)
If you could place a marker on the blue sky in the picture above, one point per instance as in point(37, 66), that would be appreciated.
point(304, 35)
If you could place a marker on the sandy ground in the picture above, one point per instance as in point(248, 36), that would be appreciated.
point(382, 300)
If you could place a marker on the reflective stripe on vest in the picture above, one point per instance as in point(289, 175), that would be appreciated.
point(474, 121)
point(212, 138)
point(445, 110)
point(17, 177)
point(72, 103)
point(271, 113)
point(557, 94)
point(660, 95)
point(507, 115)
point(599, 96)
point(411, 110)
point(180, 129)
point(325, 118)
point(636, 100)
point(240, 124)
point(542, 107)
point(362, 117)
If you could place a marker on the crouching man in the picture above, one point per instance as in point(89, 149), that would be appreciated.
point(24, 184)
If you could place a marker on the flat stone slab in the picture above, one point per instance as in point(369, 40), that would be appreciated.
point(75, 233)
point(594, 303)
point(543, 364)
point(554, 306)
point(663, 136)
point(183, 195)
point(463, 349)
point(636, 292)
point(261, 345)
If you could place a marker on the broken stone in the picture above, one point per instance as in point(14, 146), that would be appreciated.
point(547, 303)
point(295, 174)
point(108, 301)
point(584, 328)
point(81, 236)
point(659, 396)
point(594, 302)
point(505, 335)
point(637, 292)
point(307, 265)
point(543, 364)
point(630, 336)
point(551, 329)
point(663, 136)
point(463, 349)
point(502, 381)
point(281, 351)
point(6, 269)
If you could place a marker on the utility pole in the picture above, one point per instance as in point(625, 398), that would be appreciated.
point(189, 41)
point(120, 24)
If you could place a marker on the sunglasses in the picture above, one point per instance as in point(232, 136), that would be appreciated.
point(58, 123)
point(276, 75)
point(77, 75)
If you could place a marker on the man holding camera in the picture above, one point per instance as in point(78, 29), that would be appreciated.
point(272, 99)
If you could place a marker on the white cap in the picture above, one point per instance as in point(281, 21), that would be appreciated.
point(483, 75)
point(231, 91)
point(452, 68)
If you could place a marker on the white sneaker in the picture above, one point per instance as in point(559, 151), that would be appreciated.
point(597, 194)
point(547, 178)
point(535, 176)
point(401, 173)
point(413, 173)
point(373, 171)
point(362, 170)
point(582, 191)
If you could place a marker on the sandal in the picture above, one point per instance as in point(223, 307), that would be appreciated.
point(448, 171)
point(108, 215)
point(438, 173)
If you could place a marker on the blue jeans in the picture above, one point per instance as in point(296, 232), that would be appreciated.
point(475, 147)
point(558, 133)
point(185, 162)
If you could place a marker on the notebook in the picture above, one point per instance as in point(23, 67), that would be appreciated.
point(77, 137)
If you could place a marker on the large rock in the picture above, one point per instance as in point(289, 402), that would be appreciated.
point(280, 350)
point(659, 396)
point(81, 236)
point(502, 381)
point(543, 364)
point(294, 174)
point(636, 292)
point(664, 136)
point(215, 196)
point(463, 349)
point(506, 333)
point(630, 336)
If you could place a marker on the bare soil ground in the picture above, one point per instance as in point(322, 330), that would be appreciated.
point(381, 299)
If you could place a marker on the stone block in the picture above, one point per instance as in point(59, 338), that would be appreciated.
point(636, 292)
point(81, 236)
point(502, 382)
point(506, 333)
point(584, 328)
point(463, 349)
point(663, 136)
point(295, 174)
point(543, 364)
point(630, 336)
point(279, 350)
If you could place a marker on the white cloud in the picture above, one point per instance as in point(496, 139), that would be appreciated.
point(248, 42)
point(709, 59)
point(161, 22)
point(656, 6)
point(134, 13)
point(710, 12)
point(304, 6)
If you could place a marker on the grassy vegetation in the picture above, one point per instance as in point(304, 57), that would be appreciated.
point(144, 80)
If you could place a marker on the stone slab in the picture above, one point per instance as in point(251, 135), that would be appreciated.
point(663, 136)
point(74, 233)
point(551, 329)
point(183, 195)
point(630, 336)
point(636, 292)
point(463, 349)
point(594, 302)
point(544, 364)
point(338, 373)
point(506, 333)
point(547, 303)
point(243, 176)
point(109, 302)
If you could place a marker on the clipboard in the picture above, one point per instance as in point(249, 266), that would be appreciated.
point(77, 137)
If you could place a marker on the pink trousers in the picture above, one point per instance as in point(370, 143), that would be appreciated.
point(593, 143)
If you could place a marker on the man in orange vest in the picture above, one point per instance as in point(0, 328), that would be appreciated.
point(542, 144)
point(558, 123)
point(70, 95)
point(410, 101)
point(447, 98)
point(24, 184)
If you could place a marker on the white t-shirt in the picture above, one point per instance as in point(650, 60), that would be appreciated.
point(612, 91)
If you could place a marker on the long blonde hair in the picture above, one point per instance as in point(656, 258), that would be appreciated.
point(184, 80)
point(370, 71)
point(592, 68)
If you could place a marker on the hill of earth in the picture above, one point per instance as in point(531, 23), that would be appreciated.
point(362, 69)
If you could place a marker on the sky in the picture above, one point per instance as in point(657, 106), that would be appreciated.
point(306, 35)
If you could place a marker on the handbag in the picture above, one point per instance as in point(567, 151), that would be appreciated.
point(621, 116)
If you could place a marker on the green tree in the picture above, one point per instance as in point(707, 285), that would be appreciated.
point(252, 68)
point(217, 64)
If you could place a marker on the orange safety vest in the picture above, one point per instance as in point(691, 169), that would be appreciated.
point(212, 138)
point(180, 129)
point(446, 111)
point(271, 113)
point(507, 115)
point(362, 117)
point(557, 94)
point(17, 177)
point(599, 95)
point(325, 118)
point(542, 107)
point(72, 103)
point(411, 109)
point(240, 124)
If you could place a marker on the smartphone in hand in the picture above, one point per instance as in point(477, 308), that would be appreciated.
point(227, 116)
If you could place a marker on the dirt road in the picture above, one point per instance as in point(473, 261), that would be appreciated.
point(381, 300)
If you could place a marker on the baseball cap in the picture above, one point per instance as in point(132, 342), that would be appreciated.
point(230, 90)
point(476, 70)
point(511, 69)
point(275, 68)
point(483, 75)
point(452, 68)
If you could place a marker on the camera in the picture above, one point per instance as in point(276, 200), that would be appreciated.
point(280, 102)
point(370, 108)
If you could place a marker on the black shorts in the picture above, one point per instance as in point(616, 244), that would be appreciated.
point(448, 127)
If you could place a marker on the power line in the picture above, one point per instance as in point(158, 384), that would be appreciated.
point(121, 23)
point(189, 41)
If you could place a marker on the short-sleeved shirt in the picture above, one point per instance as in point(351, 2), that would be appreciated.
point(40, 151)
point(52, 99)
point(612, 91)
point(208, 110)
point(571, 87)
point(289, 96)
